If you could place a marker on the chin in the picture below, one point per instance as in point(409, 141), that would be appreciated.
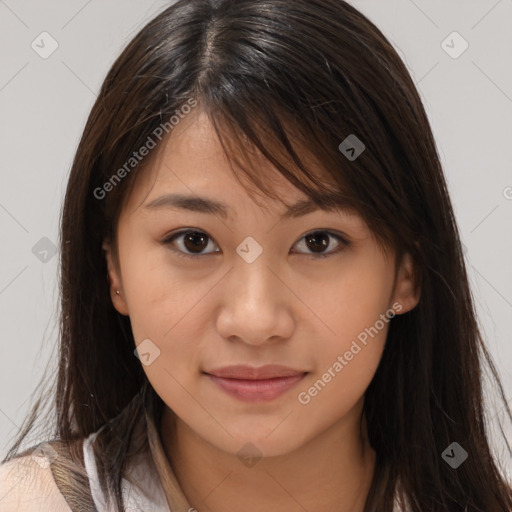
point(258, 443)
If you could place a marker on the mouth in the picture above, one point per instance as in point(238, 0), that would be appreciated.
point(251, 384)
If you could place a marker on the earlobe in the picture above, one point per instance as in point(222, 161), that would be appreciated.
point(407, 291)
point(114, 280)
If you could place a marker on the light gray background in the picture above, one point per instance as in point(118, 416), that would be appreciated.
point(44, 104)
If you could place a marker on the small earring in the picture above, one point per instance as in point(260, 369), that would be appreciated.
point(118, 292)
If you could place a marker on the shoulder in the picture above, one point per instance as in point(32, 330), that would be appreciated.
point(27, 484)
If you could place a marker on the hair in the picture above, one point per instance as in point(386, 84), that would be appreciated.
point(289, 81)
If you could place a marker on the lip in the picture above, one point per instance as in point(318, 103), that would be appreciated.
point(245, 372)
point(252, 384)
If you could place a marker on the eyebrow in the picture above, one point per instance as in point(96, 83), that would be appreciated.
point(213, 207)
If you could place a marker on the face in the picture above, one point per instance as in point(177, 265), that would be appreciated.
point(252, 326)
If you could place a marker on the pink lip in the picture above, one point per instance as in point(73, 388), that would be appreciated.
point(255, 384)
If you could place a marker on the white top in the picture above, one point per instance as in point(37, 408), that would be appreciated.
point(150, 497)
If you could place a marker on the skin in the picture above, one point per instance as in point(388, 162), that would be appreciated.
point(286, 307)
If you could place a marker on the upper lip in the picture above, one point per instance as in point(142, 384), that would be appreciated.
point(251, 373)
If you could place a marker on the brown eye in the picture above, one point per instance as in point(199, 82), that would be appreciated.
point(190, 243)
point(319, 241)
point(195, 241)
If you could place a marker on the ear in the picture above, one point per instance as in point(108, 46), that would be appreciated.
point(406, 293)
point(115, 282)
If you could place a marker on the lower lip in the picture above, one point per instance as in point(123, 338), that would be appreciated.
point(257, 390)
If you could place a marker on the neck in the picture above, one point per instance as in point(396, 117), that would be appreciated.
point(332, 472)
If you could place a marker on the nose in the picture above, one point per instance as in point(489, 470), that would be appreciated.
point(257, 305)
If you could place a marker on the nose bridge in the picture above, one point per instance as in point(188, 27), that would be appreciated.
point(255, 307)
point(254, 283)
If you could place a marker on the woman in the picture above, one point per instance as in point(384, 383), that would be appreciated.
point(264, 300)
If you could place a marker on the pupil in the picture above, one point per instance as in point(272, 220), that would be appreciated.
point(320, 241)
point(198, 241)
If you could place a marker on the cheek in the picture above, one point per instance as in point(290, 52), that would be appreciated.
point(355, 312)
point(345, 366)
point(170, 308)
point(352, 299)
point(166, 316)
point(170, 330)
point(160, 292)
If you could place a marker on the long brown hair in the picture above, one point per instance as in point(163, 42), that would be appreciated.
point(285, 77)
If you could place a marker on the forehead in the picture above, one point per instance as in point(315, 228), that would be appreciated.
point(190, 171)
point(192, 162)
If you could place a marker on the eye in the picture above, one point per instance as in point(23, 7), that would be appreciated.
point(191, 240)
point(317, 241)
point(192, 243)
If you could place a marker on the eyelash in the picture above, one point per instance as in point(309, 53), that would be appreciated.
point(344, 243)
